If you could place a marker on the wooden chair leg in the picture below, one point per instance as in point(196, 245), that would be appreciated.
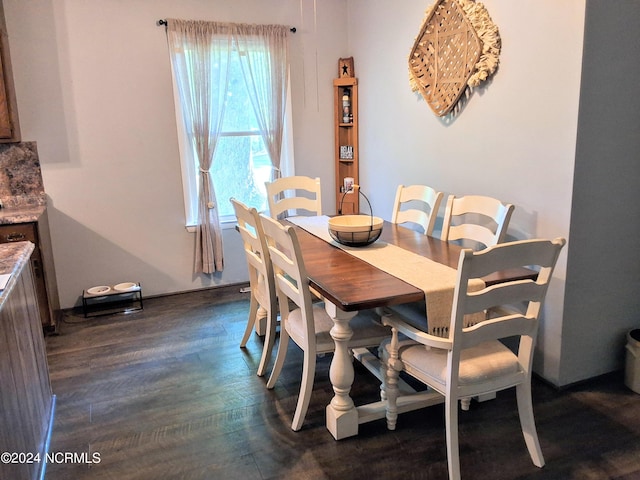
point(392, 369)
point(451, 422)
point(251, 321)
point(280, 356)
point(527, 422)
point(392, 397)
point(272, 320)
point(383, 373)
point(306, 388)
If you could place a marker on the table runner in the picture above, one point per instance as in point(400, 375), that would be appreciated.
point(436, 280)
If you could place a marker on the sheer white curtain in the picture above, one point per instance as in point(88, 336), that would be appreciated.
point(264, 60)
point(200, 56)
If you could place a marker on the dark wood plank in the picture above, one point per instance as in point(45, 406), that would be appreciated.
point(167, 393)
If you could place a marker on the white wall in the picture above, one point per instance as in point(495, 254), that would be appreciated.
point(603, 268)
point(94, 90)
point(515, 138)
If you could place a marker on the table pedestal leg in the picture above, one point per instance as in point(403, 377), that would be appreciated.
point(341, 414)
point(261, 321)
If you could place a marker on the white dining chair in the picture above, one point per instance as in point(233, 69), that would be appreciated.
point(295, 195)
point(472, 221)
point(472, 360)
point(307, 323)
point(475, 221)
point(261, 280)
point(417, 205)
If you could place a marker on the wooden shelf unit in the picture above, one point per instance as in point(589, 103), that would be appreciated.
point(346, 135)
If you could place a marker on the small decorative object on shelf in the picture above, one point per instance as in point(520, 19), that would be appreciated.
point(346, 152)
point(346, 106)
point(348, 185)
point(345, 67)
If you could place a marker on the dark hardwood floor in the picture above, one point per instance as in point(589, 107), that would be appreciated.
point(166, 393)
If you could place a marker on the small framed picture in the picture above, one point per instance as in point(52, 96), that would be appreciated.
point(346, 152)
point(348, 184)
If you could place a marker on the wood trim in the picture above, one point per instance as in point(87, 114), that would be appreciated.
point(9, 121)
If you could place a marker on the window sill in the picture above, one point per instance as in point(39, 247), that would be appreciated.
point(228, 225)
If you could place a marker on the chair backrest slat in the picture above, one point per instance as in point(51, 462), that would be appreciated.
point(540, 255)
point(417, 204)
point(507, 326)
point(476, 218)
point(290, 195)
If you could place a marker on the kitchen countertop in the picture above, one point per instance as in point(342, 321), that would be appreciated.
point(22, 193)
point(21, 214)
point(13, 258)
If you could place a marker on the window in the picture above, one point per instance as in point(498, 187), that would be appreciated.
point(241, 162)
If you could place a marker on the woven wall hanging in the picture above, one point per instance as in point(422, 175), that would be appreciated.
point(457, 48)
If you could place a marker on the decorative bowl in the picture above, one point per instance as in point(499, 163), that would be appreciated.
point(125, 287)
point(99, 290)
point(355, 230)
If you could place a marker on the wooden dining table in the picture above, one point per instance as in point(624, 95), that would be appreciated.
point(348, 285)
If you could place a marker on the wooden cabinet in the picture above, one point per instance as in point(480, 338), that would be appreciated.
point(41, 263)
point(9, 124)
point(26, 400)
point(346, 148)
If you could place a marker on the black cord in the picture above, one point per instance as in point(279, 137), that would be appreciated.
point(342, 201)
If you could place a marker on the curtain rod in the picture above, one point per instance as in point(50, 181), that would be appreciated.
point(162, 22)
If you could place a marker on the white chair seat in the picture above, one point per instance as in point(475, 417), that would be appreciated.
point(413, 313)
point(478, 364)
